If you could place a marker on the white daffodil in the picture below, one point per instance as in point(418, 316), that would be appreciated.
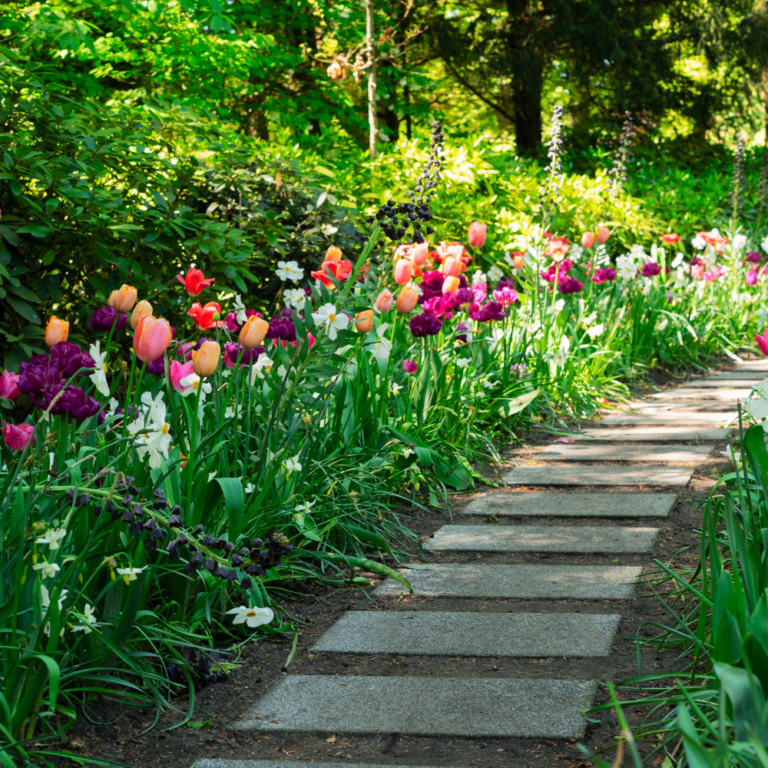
point(479, 277)
point(289, 270)
point(292, 465)
point(156, 408)
point(239, 310)
point(230, 412)
point(709, 257)
point(462, 362)
point(130, 574)
point(251, 617)
point(595, 331)
point(88, 619)
point(295, 297)
point(575, 252)
point(739, 243)
point(47, 570)
point(497, 336)
point(626, 267)
point(45, 597)
point(328, 229)
point(677, 261)
point(192, 384)
point(764, 244)
point(383, 345)
point(302, 509)
point(262, 364)
point(153, 437)
point(282, 371)
point(113, 404)
point(589, 320)
point(99, 375)
point(334, 321)
point(699, 243)
point(249, 487)
point(495, 274)
point(562, 352)
point(647, 285)
point(394, 387)
point(52, 537)
point(662, 323)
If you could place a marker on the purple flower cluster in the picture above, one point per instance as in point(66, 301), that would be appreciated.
point(604, 275)
point(43, 376)
point(569, 285)
point(232, 352)
point(75, 404)
point(651, 269)
point(425, 324)
point(432, 285)
point(231, 322)
point(491, 311)
point(281, 326)
point(105, 318)
point(753, 257)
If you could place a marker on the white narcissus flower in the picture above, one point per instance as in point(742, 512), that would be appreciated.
point(497, 335)
point(562, 352)
point(302, 509)
point(677, 261)
point(88, 618)
point(52, 537)
point(130, 574)
point(394, 387)
point(699, 243)
point(292, 465)
point(495, 274)
point(334, 321)
point(45, 597)
point(709, 257)
point(192, 384)
point(47, 570)
point(383, 345)
point(662, 324)
point(289, 270)
point(153, 437)
point(626, 267)
point(113, 404)
point(295, 297)
point(764, 244)
point(479, 277)
point(739, 243)
point(595, 331)
point(647, 285)
point(462, 362)
point(99, 375)
point(251, 617)
point(249, 488)
point(263, 363)
point(239, 310)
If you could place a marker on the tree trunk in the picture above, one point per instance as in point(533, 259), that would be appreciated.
point(527, 111)
point(765, 103)
point(372, 129)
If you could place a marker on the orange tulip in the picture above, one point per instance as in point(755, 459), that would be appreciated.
point(123, 298)
point(151, 338)
point(419, 254)
point(384, 300)
point(450, 284)
point(364, 321)
point(205, 360)
point(587, 239)
point(451, 267)
point(333, 253)
point(403, 271)
point(602, 234)
point(407, 300)
point(253, 332)
point(56, 330)
point(142, 309)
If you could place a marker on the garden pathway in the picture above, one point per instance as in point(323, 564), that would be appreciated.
point(677, 427)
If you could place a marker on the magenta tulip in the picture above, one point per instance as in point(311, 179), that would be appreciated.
point(179, 372)
point(410, 366)
point(17, 437)
point(762, 341)
point(8, 388)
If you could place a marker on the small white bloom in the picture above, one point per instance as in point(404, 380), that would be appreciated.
point(647, 285)
point(88, 618)
point(556, 307)
point(230, 412)
point(263, 363)
point(662, 323)
point(383, 345)
point(699, 243)
point(329, 229)
point(678, 260)
point(52, 537)
point(626, 267)
point(113, 404)
point(479, 277)
point(495, 274)
point(497, 336)
point(282, 371)
point(192, 384)
point(48, 570)
point(709, 257)
point(302, 509)
point(637, 252)
point(589, 320)
point(99, 375)
point(130, 574)
point(562, 352)
point(575, 252)
point(739, 243)
point(764, 244)
point(292, 465)
point(334, 321)
point(45, 597)
point(251, 617)
point(289, 270)
point(462, 362)
point(211, 475)
point(295, 297)
point(595, 331)
point(249, 487)
point(394, 387)
point(239, 309)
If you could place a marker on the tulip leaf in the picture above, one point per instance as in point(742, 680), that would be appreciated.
point(511, 405)
point(234, 501)
point(370, 565)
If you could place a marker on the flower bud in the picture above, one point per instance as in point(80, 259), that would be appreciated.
point(451, 267)
point(403, 271)
point(205, 360)
point(364, 321)
point(407, 300)
point(151, 338)
point(56, 330)
point(123, 298)
point(451, 284)
point(142, 309)
point(253, 332)
point(333, 253)
point(587, 239)
point(602, 234)
point(384, 300)
point(477, 233)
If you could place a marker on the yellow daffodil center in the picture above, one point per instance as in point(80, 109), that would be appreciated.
point(165, 429)
point(196, 384)
point(268, 368)
point(250, 614)
point(332, 317)
point(105, 368)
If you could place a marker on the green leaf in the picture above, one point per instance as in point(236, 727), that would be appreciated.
point(234, 500)
point(511, 406)
point(369, 565)
point(36, 230)
point(24, 293)
point(24, 309)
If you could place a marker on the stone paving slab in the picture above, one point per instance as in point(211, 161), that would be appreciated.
point(738, 375)
point(680, 406)
point(655, 434)
point(740, 383)
point(669, 454)
point(703, 393)
point(572, 504)
point(206, 763)
point(670, 418)
point(754, 365)
point(555, 582)
point(597, 474)
point(421, 706)
point(542, 538)
point(451, 633)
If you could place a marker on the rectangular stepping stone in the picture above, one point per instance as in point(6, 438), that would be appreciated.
point(703, 393)
point(655, 434)
point(670, 454)
point(451, 633)
point(420, 706)
point(740, 383)
point(542, 538)
point(548, 582)
point(206, 763)
point(738, 374)
point(667, 406)
point(754, 365)
point(597, 474)
point(670, 418)
point(572, 504)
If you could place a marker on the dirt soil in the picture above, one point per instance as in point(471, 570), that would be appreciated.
point(263, 662)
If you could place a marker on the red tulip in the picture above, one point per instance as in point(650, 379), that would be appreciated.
point(477, 233)
point(17, 436)
point(341, 270)
point(205, 317)
point(762, 341)
point(151, 338)
point(670, 238)
point(195, 282)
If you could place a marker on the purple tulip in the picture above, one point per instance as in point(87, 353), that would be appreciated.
point(76, 404)
point(410, 366)
point(570, 285)
point(604, 275)
point(43, 376)
point(425, 324)
point(651, 269)
point(490, 312)
point(105, 318)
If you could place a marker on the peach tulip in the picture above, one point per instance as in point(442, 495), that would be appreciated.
point(205, 360)
point(477, 233)
point(364, 321)
point(123, 298)
point(451, 267)
point(151, 338)
point(333, 253)
point(451, 284)
point(587, 239)
point(384, 300)
point(407, 300)
point(142, 309)
point(56, 330)
point(602, 234)
point(419, 254)
point(253, 332)
point(403, 271)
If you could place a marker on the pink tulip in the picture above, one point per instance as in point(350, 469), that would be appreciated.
point(587, 239)
point(151, 338)
point(17, 437)
point(410, 366)
point(751, 278)
point(419, 254)
point(8, 388)
point(451, 267)
point(762, 341)
point(602, 234)
point(384, 301)
point(179, 372)
point(403, 271)
point(477, 233)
